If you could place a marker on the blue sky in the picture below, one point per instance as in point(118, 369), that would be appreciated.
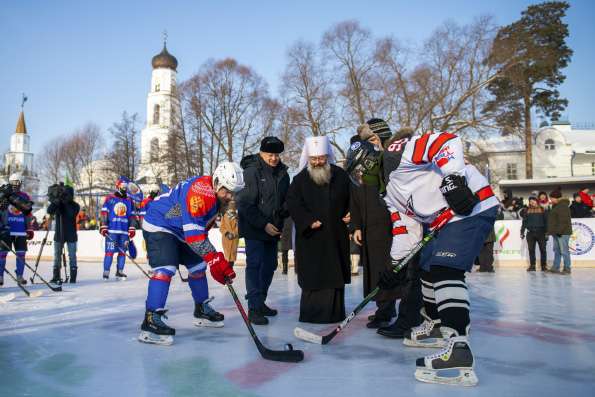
point(81, 61)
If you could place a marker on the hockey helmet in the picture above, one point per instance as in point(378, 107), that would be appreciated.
point(362, 158)
point(228, 175)
point(16, 180)
point(122, 184)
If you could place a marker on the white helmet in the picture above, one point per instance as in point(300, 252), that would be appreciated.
point(228, 175)
point(16, 180)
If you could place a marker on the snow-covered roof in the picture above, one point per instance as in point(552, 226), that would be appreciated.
point(547, 181)
point(496, 144)
point(582, 141)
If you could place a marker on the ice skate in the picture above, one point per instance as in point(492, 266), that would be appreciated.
point(1, 281)
point(154, 330)
point(106, 275)
point(441, 366)
point(21, 280)
point(121, 276)
point(206, 316)
point(425, 335)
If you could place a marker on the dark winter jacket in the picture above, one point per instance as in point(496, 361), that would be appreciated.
point(262, 200)
point(558, 219)
point(65, 218)
point(534, 220)
point(580, 210)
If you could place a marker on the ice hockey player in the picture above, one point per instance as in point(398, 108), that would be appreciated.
point(117, 226)
point(20, 231)
point(426, 174)
point(176, 232)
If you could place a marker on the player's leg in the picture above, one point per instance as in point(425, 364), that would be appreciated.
point(162, 252)
point(20, 247)
point(3, 255)
point(110, 249)
point(122, 241)
point(427, 334)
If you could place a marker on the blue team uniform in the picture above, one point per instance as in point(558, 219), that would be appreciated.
point(118, 215)
point(173, 220)
point(18, 223)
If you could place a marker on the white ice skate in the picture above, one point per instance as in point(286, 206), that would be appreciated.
point(425, 335)
point(121, 276)
point(150, 337)
point(206, 316)
point(451, 366)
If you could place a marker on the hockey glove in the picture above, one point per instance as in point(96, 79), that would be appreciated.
point(103, 230)
point(220, 268)
point(458, 195)
point(30, 234)
point(131, 232)
point(389, 279)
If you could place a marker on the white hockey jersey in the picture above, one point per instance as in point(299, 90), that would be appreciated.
point(414, 169)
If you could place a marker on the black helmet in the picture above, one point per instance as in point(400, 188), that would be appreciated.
point(362, 157)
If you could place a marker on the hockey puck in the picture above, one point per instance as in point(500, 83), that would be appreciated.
point(288, 347)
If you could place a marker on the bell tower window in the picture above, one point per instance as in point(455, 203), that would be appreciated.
point(156, 110)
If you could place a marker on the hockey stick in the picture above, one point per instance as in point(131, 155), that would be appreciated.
point(184, 280)
point(308, 336)
point(287, 356)
point(128, 256)
point(33, 294)
point(55, 289)
point(45, 239)
point(7, 297)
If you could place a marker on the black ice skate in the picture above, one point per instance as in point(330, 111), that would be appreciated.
point(154, 330)
point(56, 279)
point(206, 316)
point(105, 275)
point(120, 275)
point(438, 367)
point(21, 280)
point(425, 335)
point(1, 281)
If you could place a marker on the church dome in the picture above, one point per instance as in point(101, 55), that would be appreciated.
point(164, 60)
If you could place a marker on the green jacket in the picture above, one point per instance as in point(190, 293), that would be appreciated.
point(558, 219)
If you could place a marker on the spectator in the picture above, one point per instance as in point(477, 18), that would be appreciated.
point(81, 220)
point(535, 224)
point(287, 244)
point(586, 197)
point(560, 228)
point(229, 233)
point(578, 209)
point(261, 209)
point(485, 259)
point(34, 224)
point(543, 200)
point(64, 209)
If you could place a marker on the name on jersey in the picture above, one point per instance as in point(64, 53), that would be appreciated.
point(444, 156)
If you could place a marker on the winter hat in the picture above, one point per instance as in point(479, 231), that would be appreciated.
point(556, 194)
point(271, 144)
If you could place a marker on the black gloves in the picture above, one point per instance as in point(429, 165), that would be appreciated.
point(389, 279)
point(458, 195)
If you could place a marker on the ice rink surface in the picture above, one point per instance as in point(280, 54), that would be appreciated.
point(532, 335)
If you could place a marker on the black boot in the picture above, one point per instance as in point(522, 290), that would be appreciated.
point(378, 323)
point(256, 317)
point(73, 271)
point(267, 311)
point(531, 268)
point(394, 331)
point(56, 276)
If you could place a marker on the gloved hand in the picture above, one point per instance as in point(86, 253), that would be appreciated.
point(458, 195)
point(103, 230)
point(230, 236)
point(30, 234)
point(131, 232)
point(220, 268)
point(522, 236)
point(389, 279)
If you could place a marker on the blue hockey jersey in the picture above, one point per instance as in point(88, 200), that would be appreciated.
point(187, 211)
point(117, 214)
point(18, 222)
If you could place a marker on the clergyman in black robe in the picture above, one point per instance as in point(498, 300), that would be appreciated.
point(317, 206)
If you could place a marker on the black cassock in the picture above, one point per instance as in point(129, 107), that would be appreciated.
point(323, 253)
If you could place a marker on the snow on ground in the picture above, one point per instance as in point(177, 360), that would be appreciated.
point(532, 334)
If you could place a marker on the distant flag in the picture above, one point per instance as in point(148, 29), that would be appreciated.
point(23, 100)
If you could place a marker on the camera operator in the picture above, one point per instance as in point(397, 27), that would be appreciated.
point(64, 209)
point(15, 224)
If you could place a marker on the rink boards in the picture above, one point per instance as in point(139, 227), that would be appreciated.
point(509, 249)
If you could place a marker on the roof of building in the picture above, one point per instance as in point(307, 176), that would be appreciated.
point(547, 181)
point(164, 60)
point(21, 126)
point(582, 141)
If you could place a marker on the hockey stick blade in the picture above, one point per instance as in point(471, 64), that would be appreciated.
point(35, 294)
point(7, 297)
point(307, 336)
point(286, 356)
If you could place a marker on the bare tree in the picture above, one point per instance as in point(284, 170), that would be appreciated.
point(123, 159)
point(52, 161)
point(88, 143)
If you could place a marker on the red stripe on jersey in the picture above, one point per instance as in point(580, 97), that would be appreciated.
point(419, 149)
point(438, 143)
point(399, 230)
point(395, 216)
point(194, 239)
point(161, 277)
point(484, 193)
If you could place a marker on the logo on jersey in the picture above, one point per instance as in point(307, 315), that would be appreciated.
point(120, 209)
point(355, 145)
point(410, 211)
point(444, 156)
point(13, 210)
point(201, 198)
point(582, 239)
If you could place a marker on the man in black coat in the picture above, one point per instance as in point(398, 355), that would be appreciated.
point(64, 210)
point(261, 211)
point(318, 201)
